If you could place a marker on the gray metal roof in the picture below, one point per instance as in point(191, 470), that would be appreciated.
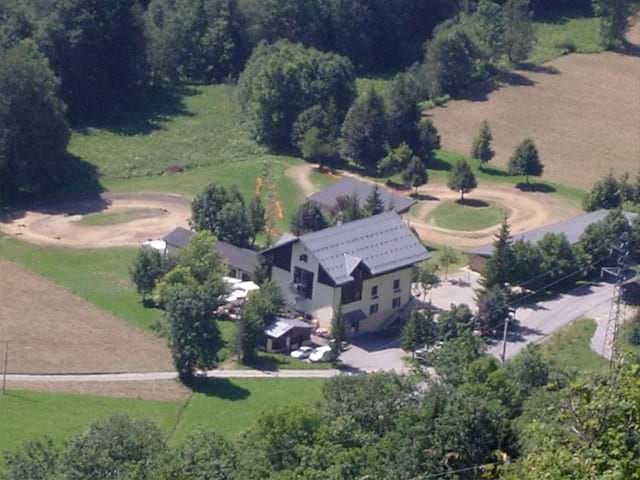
point(350, 186)
point(236, 257)
point(382, 243)
point(281, 326)
point(179, 237)
point(572, 228)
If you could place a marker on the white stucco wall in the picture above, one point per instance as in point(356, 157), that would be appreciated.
point(325, 299)
point(386, 294)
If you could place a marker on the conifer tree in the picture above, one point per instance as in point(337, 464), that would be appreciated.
point(482, 148)
point(374, 203)
point(526, 160)
point(499, 266)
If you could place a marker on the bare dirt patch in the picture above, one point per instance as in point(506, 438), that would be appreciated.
point(51, 330)
point(168, 390)
point(61, 224)
point(528, 210)
point(583, 112)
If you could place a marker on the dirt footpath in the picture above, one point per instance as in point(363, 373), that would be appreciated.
point(57, 224)
point(583, 112)
point(51, 330)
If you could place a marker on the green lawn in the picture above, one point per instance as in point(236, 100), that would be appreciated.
point(231, 406)
point(469, 216)
point(570, 347)
point(100, 276)
point(122, 216)
point(565, 34)
point(227, 406)
point(25, 415)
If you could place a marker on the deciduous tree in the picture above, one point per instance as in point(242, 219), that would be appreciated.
point(146, 271)
point(415, 175)
point(461, 178)
point(420, 331)
point(493, 309)
point(519, 37)
point(613, 21)
point(33, 131)
point(194, 337)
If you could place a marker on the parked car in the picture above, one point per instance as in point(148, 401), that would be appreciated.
point(302, 352)
point(321, 354)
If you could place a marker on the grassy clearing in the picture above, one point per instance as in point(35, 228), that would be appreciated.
point(100, 276)
point(122, 216)
point(226, 406)
point(467, 217)
point(193, 127)
point(229, 407)
point(571, 347)
point(565, 33)
point(436, 251)
point(25, 415)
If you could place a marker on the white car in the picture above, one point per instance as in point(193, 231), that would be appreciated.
point(321, 354)
point(302, 352)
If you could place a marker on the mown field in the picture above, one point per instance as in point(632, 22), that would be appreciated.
point(228, 407)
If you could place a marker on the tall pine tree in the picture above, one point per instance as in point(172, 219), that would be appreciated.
point(499, 267)
point(482, 148)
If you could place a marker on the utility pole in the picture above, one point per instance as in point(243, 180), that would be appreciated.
point(4, 370)
point(512, 311)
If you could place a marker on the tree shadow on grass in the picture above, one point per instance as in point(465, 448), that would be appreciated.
point(495, 172)
point(473, 203)
point(425, 197)
point(146, 114)
point(536, 187)
point(78, 194)
point(221, 388)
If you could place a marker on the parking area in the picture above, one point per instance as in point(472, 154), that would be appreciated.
point(536, 321)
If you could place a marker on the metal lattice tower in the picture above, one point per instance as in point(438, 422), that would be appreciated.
point(617, 311)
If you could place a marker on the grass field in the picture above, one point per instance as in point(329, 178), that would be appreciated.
point(228, 407)
point(121, 216)
point(469, 216)
point(571, 346)
point(564, 34)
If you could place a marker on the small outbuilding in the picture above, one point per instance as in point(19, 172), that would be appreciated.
point(631, 291)
point(328, 197)
point(242, 262)
point(286, 334)
point(572, 229)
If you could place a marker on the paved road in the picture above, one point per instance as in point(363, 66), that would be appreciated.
point(155, 376)
point(537, 321)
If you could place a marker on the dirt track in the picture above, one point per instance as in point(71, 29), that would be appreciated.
point(528, 210)
point(51, 330)
point(583, 112)
point(57, 224)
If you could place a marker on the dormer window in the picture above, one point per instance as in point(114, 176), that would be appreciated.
point(304, 258)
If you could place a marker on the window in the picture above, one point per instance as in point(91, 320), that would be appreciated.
point(303, 280)
point(396, 302)
point(374, 291)
point(304, 258)
point(373, 309)
point(396, 285)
